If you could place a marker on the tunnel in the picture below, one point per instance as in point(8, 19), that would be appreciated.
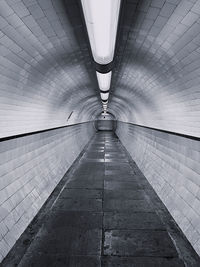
point(100, 131)
point(105, 122)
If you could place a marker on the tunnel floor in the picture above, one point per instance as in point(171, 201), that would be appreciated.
point(104, 213)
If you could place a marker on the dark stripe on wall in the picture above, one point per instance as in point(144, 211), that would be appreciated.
point(165, 131)
point(2, 139)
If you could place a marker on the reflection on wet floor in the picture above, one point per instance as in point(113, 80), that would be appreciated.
point(105, 215)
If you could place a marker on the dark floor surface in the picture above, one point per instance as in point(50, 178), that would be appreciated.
point(103, 213)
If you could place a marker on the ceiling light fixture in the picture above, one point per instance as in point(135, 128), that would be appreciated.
point(101, 17)
point(104, 80)
point(104, 96)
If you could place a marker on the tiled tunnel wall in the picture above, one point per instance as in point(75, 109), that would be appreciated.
point(171, 165)
point(156, 77)
point(45, 73)
point(30, 168)
point(46, 81)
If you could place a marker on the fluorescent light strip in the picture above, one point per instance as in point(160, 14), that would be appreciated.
point(104, 96)
point(104, 80)
point(101, 17)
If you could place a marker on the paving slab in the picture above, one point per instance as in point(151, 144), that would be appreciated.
point(121, 178)
point(117, 166)
point(84, 220)
point(141, 262)
point(78, 204)
point(120, 185)
point(81, 193)
point(145, 243)
point(124, 194)
point(60, 260)
point(134, 220)
point(119, 171)
point(126, 205)
point(88, 183)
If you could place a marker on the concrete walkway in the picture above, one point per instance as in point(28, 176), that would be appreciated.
point(106, 214)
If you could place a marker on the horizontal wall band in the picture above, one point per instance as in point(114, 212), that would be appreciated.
point(165, 131)
point(6, 138)
point(65, 126)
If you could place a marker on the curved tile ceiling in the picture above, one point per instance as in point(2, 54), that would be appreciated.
point(158, 65)
point(48, 78)
point(46, 72)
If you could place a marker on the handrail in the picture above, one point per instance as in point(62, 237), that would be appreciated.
point(6, 138)
point(196, 138)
